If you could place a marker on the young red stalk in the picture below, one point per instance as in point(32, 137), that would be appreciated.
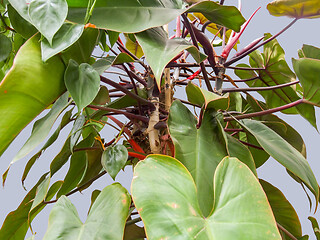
point(234, 39)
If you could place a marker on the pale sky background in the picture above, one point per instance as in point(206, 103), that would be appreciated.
point(303, 32)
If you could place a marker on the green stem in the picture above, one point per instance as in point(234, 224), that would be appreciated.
point(133, 221)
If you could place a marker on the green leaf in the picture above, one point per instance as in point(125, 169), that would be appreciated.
point(106, 219)
point(41, 194)
point(295, 8)
point(21, 6)
point(105, 63)
point(67, 35)
point(202, 97)
point(81, 50)
point(114, 159)
point(200, 149)
point(308, 72)
point(315, 227)
point(48, 16)
point(42, 127)
point(166, 197)
point(283, 152)
point(308, 51)
point(74, 174)
point(6, 47)
point(102, 97)
point(76, 131)
point(22, 26)
point(83, 83)
point(133, 46)
point(160, 50)
point(93, 165)
point(227, 16)
point(144, 14)
point(276, 72)
point(66, 119)
point(16, 224)
point(28, 88)
point(94, 196)
point(283, 211)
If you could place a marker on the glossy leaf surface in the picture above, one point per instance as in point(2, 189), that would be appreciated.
point(83, 83)
point(295, 8)
point(67, 35)
point(283, 152)
point(160, 50)
point(145, 14)
point(165, 195)
point(114, 159)
point(48, 16)
point(28, 88)
point(109, 209)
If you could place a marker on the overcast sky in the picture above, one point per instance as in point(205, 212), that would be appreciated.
point(303, 32)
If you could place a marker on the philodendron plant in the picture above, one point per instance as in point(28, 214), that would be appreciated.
point(194, 157)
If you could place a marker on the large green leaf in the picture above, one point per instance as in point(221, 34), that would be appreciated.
point(106, 219)
point(201, 149)
point(83, 83)
point(283, 152)
point(48, 16)
point(28, 88)
point(276, 72)
point(67, 35)
point(308, 72)
point(165, 195)
point(114, 159)
point(160, 50)
point(283, 211)
point(144, 14)
point(295, 8)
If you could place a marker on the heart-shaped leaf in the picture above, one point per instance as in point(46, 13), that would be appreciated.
point(160, 50)
point(28, 88)
point(6, 47)
point(308, 72)
point(48, 16)
point(145, 14)
point(83, 83)
point(295, 8)
point(283, 152)
point(165, 196)
point(106, 219)
point(114, 159)
point(67, 35)
point(200, 149)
